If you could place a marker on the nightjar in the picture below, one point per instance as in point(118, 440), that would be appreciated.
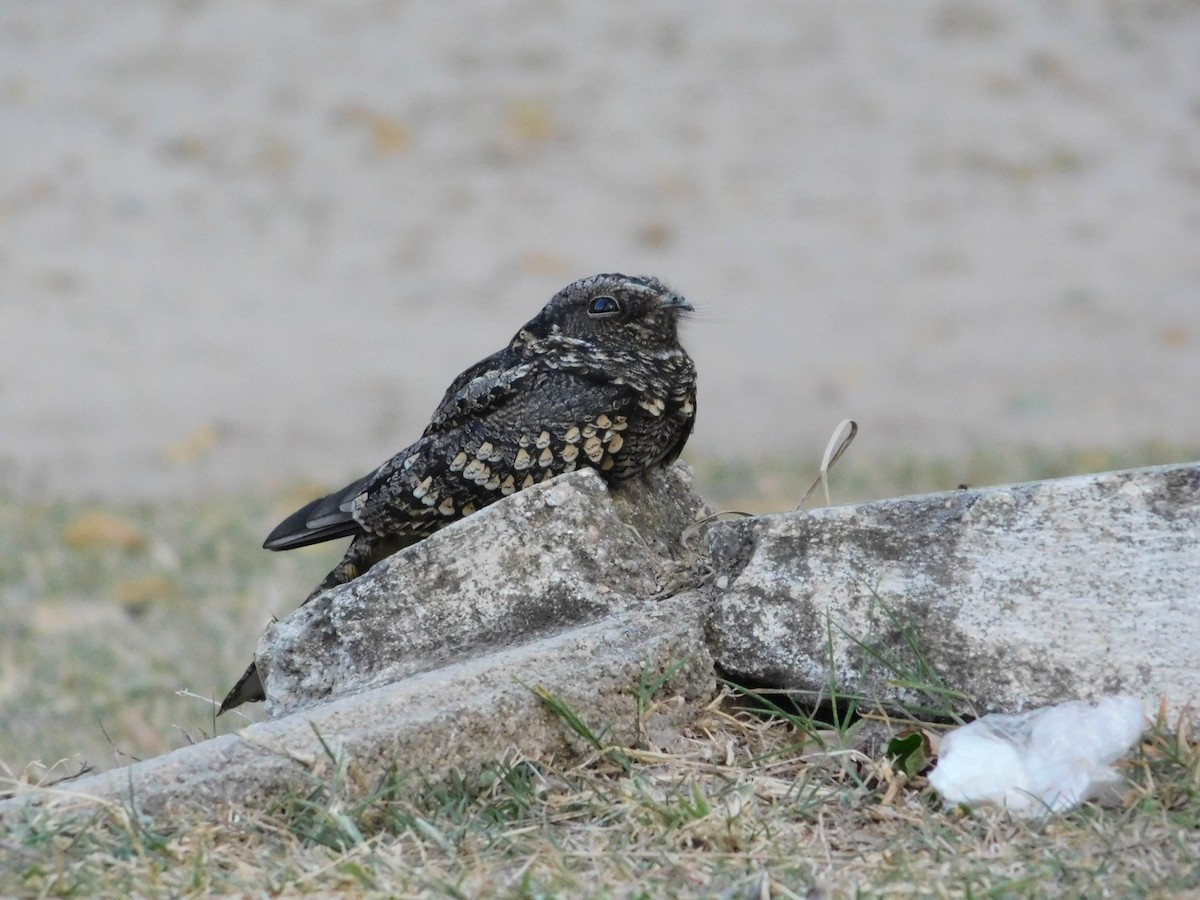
point(597, 379)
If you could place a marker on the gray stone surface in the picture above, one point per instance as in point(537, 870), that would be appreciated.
point(1018, 596)
point(457, 717)
point(552, 557)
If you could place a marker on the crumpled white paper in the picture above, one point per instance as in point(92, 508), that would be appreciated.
point(1044, 761)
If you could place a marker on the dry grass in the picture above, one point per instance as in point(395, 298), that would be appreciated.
point(102, 631)
point(108, 617)
point(736, 805)
point(764, 486)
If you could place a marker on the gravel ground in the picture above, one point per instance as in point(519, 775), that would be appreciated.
point(242, 243)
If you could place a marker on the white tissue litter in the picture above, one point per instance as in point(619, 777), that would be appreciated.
point(1044, 761)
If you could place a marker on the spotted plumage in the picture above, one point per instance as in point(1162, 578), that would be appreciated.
point(596, 379)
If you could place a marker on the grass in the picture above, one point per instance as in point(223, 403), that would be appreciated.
point(121, 622)
point(777, 485)
point(735, 805)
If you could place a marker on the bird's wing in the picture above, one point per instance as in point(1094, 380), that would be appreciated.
point(677, 447)
point(325, 519)
point(481, 389)
point(517, 437)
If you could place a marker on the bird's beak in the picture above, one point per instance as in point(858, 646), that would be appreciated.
point(669, 299)
point(675, 301)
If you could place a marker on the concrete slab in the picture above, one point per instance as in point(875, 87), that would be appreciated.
point(1017, 596)
point(457, 717)
point(546, 559)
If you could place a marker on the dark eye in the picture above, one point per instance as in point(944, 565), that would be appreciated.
point(604, 305)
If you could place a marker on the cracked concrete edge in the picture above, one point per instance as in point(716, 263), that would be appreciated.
point(455, 718)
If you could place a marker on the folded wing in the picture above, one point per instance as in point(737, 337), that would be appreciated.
point(325, 519)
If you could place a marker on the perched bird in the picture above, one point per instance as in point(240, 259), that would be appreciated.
point(596, 379)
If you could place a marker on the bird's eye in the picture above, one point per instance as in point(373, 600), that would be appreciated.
point(604, 305)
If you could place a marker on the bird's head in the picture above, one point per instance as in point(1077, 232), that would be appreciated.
point(607, 312)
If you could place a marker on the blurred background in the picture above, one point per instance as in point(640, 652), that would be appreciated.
point(245, 247)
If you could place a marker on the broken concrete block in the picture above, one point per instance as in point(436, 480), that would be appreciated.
point(1015, 596)
point(456, 718)
point(553, 556)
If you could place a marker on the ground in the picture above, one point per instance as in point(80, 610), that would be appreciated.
point(248, 243)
